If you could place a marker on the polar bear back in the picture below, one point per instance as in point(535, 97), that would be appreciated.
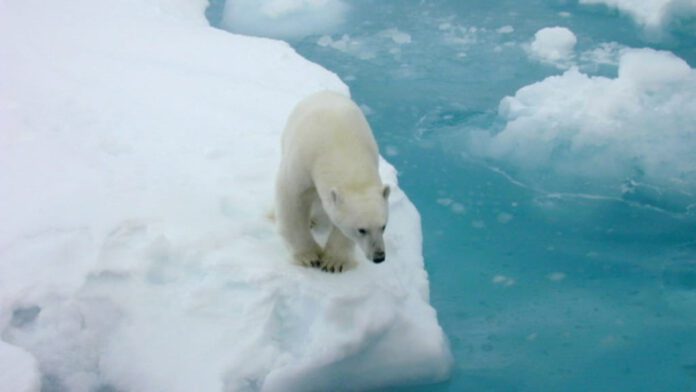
point(328, 135)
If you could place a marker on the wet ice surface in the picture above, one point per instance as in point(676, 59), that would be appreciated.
point(569, 268)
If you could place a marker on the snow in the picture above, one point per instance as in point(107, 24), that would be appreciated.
point(651, 14)
point(639, 124)
point(139, 149)
point(553, 45)
point(19, 369)
point(289, 19)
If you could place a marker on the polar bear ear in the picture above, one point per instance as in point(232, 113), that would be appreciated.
point(335, 196)
point(385, 192)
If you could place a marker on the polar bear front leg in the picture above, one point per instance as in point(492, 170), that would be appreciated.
point(294, 223)
point(338, 252)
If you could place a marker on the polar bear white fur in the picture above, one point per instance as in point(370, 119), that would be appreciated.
point(329, 156)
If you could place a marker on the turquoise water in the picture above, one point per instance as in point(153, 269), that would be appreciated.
point(538, 287)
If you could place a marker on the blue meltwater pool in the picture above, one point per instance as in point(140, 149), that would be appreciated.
point(550, 147)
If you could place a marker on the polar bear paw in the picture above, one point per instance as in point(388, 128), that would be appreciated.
point(309, 258)
point(335, 263)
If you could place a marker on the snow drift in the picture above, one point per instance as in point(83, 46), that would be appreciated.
point(138, 153)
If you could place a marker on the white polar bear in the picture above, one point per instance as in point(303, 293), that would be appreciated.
point(329, 155)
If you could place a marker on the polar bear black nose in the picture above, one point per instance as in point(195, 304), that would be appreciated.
point(378, 257)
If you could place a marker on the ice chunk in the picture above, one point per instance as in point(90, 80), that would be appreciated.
point(652, 14)
point(289, 19)
point(137, 252)
point(648, 70)
point(641, 123)
point(554, 45)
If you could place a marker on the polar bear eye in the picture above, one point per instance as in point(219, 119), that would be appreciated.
point(384, 228)
point(362, 231)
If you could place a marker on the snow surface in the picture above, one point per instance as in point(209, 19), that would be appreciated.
point(20, 372)
point(651, 14)
point(290, 19)
point(639, 124)
point(553, 45)
point(139, 147)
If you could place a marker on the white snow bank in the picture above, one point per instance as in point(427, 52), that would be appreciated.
point(20, 372)
point(640, 124)
point(553, 45)
point(289, 19)
point(139, 147)
point(652, 14)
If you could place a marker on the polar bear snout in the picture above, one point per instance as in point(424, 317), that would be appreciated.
point(372, 244)
point(378, 257)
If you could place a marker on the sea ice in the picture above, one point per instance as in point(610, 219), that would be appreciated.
point(137, 253)
point(553, 45)
point(651, 14)
point(399, 37)
point(20, 372)
point(367, 48)
point(289, 19)
point(640, 124)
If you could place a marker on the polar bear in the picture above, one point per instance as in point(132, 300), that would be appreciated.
point(330, 158)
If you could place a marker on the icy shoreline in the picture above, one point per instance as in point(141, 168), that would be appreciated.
point(139, 146)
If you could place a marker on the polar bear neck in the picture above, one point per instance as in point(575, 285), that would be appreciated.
point(360, 175)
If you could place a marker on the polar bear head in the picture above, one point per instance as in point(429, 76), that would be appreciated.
point(361, 214)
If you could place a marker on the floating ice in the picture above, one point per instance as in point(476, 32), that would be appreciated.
point(136, 252)
point(367, 48)
point(641, 124)
point(289, 19)
point(503, 280)
point(553, 45)
point(399, 37)
point(606, 53)
point(652, 14)
point(556, 276)
point(356, 47)
point(504, 217)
